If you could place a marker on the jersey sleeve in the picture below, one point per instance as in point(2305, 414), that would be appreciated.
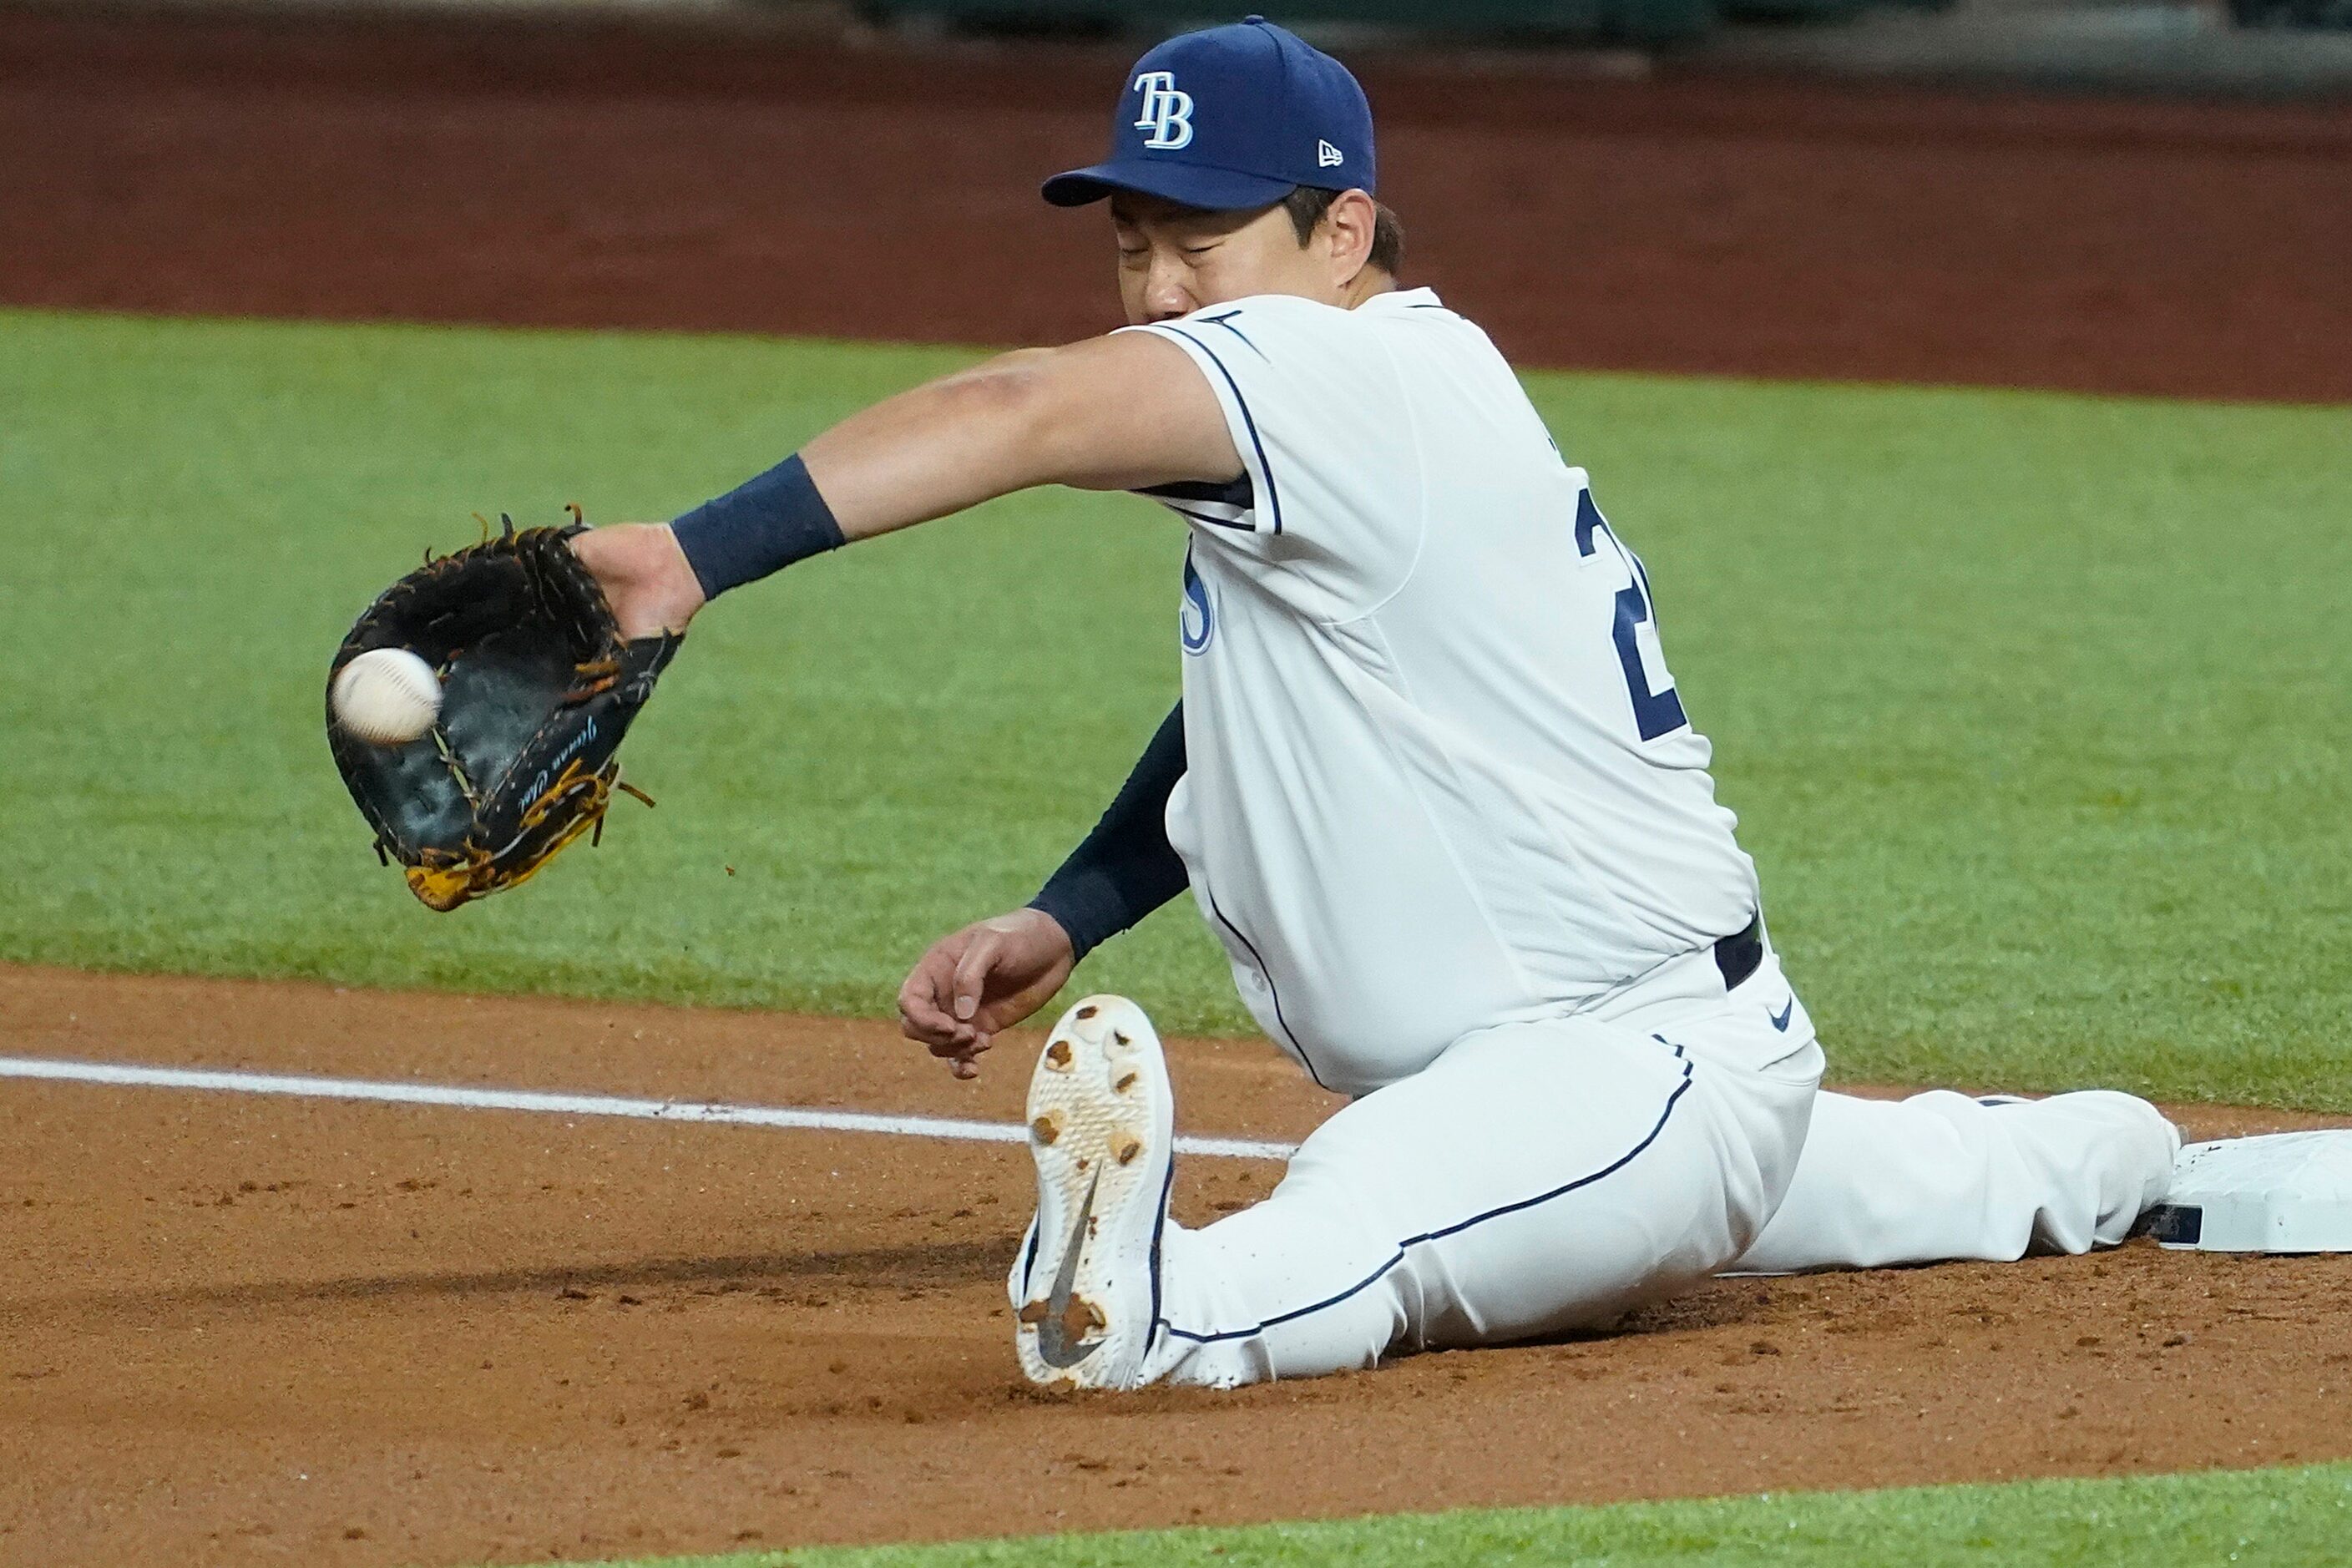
point(1330, 509)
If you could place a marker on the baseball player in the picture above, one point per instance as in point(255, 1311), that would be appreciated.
point(1432, 785)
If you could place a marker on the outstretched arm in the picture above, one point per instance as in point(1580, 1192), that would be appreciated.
point(1121, 412)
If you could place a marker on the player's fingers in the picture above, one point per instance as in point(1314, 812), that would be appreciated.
point(944, 1035)
point(940, 1036)
point(971, 976)
point(919, 1018)
point(923, 1001)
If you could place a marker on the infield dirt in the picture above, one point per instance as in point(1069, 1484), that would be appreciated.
point(237, 1329)
point(234, 1330)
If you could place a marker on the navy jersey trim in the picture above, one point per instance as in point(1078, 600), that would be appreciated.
point(1369, 1280)
point(1256, 957)
point(1202, 517)
point(1227, 322)
point(1249, 421)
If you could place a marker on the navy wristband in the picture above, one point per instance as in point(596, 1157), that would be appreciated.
point(760, 526)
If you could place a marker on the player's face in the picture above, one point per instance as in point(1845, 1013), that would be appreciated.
point(1174, 260)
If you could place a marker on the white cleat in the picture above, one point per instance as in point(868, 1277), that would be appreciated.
point(1086, 1288)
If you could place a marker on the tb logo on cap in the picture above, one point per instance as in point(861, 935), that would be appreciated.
point(1165, 113)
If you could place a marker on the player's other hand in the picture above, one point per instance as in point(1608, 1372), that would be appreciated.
point(986, 977)
point(645, 575)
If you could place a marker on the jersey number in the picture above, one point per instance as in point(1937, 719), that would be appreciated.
point(1655, 713)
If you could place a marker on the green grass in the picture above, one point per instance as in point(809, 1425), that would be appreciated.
point(2032, 706)
point(2277, 1517)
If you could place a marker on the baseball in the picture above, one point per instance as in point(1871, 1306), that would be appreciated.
point(387, 696)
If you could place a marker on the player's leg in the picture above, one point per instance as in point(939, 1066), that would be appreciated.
point(1943, 1176)
point(1535, 1178)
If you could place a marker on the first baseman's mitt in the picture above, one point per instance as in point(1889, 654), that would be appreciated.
point(537, 691)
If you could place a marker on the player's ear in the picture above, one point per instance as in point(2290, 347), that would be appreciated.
point(1349, 224)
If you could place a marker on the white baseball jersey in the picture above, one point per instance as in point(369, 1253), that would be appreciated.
point(1444, 809)
point(1439, 777)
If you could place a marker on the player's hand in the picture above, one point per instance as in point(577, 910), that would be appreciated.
point(986, 977)
point(645, 575)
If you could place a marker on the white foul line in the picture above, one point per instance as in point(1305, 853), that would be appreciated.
point(303, 1085)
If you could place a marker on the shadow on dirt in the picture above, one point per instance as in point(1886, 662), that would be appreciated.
point(930, 1267)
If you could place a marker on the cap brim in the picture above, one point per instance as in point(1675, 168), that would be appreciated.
point(1211, 190)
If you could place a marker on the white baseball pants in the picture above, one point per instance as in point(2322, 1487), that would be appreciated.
point(1548, 1176)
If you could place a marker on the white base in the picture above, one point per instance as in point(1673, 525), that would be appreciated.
point(2288, 1192)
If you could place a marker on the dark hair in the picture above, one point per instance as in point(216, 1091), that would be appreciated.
point(1307, 204)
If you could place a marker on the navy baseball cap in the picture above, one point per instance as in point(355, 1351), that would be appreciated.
point(1231, 118)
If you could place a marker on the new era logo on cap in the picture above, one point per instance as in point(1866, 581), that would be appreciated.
point(1228, 118)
